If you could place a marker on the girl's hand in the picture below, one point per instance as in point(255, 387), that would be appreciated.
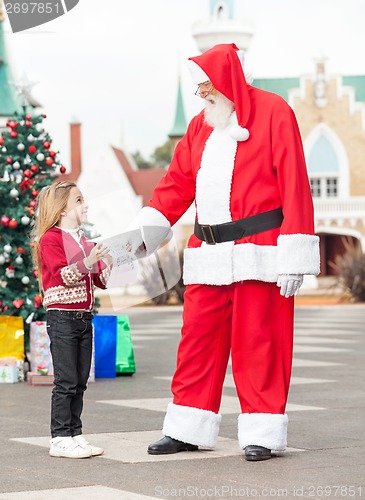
point(108, 260)
point(99, 252)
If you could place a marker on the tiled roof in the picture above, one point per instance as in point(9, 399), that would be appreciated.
point(142, 181)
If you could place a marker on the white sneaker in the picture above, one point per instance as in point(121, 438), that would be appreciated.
point(66, 447)
point(81, 441)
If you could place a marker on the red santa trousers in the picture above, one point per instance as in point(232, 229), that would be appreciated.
point(253, 322)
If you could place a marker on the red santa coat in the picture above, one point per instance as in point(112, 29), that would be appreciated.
point(230, 180)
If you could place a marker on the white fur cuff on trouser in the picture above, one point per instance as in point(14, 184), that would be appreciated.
point(263, 429)
point(192, 425)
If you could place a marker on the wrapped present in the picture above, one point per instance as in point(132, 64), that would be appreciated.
point(9, 374)
point(125, 364)
point(36, 378)
point(40, 354)
point(14, 363)
point(12, 337)
point(105, 337)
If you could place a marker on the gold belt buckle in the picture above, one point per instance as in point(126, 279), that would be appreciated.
point(208, 234)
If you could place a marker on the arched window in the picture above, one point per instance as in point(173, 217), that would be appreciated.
point(222, 9)
point(327, 164)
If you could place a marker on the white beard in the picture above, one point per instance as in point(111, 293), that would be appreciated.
point(218, 110)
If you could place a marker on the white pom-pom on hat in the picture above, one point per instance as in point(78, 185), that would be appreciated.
point(239, 133)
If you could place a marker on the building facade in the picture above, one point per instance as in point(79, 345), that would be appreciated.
point(330, 110)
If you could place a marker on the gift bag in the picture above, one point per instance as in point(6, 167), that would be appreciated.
point(105, 338)
point(40, 355)
point(125, 364)
point(11, 337)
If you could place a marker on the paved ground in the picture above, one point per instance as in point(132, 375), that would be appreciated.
point(326, 431)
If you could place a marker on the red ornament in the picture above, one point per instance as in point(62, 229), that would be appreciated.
point(49, 162)
point(35, 273)
point(32, 203)
point(5, 308)
point(5, 220)
point(37, 301)
point(52, 154)
point(34, 193)
point(13, 224)
point(28, 117)
point(62, 170)
point(1, 141)
point(32, 149)
point(34, 168)
point(26, 184)
point(44, 116)
point(9, 160)
point(20, 250)
point(28, 123)
point(31, 212)
point(27, 173)
point(46, 144)
point(18, 303)
point(13, 134)
point(13, 125)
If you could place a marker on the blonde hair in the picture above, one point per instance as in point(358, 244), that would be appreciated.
point(51, 202)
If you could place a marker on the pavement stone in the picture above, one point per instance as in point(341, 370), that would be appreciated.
point(325, 458)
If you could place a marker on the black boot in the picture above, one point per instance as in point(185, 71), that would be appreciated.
point(168, 445)
point(256, 453)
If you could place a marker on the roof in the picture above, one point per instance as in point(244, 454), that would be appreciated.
point(282, 86)
point(358, 83)
point(180, 125)
point(142, 181)
point(8, 101)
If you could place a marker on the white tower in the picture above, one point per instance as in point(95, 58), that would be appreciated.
point(221, 27)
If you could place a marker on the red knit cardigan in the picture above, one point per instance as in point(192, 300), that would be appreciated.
point(67, 282)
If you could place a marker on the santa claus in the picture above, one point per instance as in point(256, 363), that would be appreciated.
point(241, 162)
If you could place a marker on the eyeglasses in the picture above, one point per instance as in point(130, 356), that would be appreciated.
point(204, 88)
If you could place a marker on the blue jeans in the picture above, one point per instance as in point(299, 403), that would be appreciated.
point(70, 333)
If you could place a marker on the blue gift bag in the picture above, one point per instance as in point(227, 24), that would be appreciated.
point(105, 336)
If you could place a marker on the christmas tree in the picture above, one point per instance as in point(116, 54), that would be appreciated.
point(27, 164)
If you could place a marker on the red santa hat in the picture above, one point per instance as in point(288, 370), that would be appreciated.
point(223, 66)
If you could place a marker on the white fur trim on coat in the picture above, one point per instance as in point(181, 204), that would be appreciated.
point(192, 425)
point(298, 254)
point(214, 178)
point(226, 263)
point(154, 226)
point(263, 429)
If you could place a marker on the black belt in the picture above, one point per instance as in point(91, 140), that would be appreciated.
point(72, 314)
point(235, 230)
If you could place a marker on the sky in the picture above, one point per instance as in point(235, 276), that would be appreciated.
point(113, 65)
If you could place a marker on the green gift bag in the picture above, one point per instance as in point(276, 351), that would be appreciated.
point(125, 364)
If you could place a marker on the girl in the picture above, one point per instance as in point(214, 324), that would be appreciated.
point(68, 267)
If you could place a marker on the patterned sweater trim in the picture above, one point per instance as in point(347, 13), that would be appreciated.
point(71, 275)
point(65, 295)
